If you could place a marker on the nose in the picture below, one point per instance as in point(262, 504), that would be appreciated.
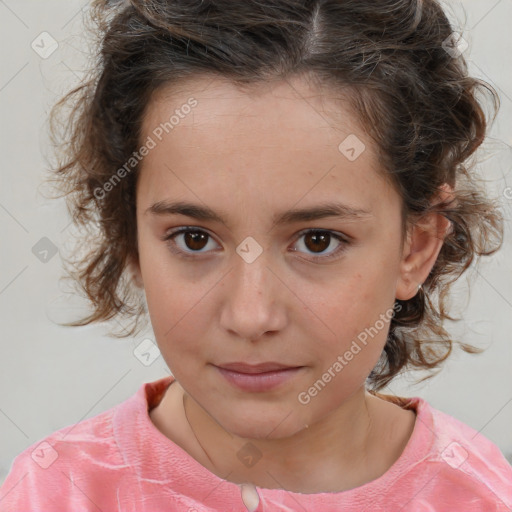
point(254, 300)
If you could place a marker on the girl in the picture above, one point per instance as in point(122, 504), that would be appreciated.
point(282, 186)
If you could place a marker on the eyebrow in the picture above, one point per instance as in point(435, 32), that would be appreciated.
point(205, 213)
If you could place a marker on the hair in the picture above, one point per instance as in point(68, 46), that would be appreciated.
point(405, 80)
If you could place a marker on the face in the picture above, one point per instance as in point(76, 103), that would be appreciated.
point(240, 275)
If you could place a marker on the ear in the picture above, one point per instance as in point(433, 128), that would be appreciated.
point(424, 241)
point(135, 272)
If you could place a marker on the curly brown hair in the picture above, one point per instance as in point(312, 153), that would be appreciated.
point(408, 85)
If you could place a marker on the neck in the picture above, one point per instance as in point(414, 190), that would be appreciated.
point(337, 453)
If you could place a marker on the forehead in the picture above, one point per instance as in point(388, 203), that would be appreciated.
point(293, 104)
point(286, 136)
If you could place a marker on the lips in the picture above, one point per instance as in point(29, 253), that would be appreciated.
point(252, 369)
point(259, 378)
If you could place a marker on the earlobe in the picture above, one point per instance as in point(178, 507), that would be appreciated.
point(424, 241)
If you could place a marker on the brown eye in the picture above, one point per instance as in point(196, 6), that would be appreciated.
point(317, 241)
point(195, 240)
point(186, 241)
point(189, 242)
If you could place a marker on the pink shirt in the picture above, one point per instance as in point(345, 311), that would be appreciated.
point(119, 461)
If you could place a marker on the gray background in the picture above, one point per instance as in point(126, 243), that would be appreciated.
point(52, 376)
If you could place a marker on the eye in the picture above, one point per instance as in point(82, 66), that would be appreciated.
point(187, 240)
point(318, 240)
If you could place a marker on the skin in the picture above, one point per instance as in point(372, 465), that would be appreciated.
point(249, 155)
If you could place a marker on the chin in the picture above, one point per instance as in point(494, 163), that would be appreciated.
point(265, 428)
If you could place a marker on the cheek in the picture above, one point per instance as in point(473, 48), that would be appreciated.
point(161, 277)
point(355, 316)
point(176, 314)
point(348, 302)
point(167, 295)
point(178, 326)
point(180, 313)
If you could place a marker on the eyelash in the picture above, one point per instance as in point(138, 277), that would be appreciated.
point(172, 246)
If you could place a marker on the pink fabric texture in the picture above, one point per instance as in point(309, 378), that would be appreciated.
point(119, 461)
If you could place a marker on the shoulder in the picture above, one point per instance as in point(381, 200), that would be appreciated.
point(461, 446)
point(460, 466)
point(60, 470)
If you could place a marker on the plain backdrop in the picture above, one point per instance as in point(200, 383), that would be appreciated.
point(53, 376)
